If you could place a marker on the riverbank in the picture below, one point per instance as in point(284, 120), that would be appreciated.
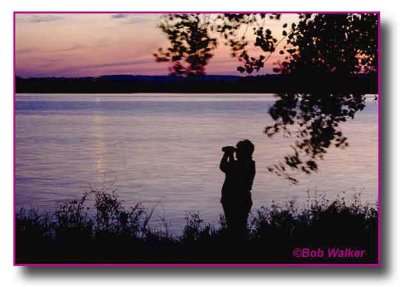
point(98, 228)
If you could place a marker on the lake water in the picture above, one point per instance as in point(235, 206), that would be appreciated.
point(164, 151)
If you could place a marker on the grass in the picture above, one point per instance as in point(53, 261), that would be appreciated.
point(98, 228)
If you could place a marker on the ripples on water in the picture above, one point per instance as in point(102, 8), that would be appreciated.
point(164, 151)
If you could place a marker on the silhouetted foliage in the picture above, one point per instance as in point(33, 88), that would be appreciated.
point(193, 38)
point(322, 48)
point(190, 44)
point(320, 52)
point(98, 229)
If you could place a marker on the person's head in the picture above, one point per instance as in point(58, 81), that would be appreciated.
point(244, 149)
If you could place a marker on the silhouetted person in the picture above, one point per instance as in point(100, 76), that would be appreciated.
point(239, 176)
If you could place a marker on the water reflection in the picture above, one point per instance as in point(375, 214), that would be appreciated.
point(99, 149)
point(165, 151)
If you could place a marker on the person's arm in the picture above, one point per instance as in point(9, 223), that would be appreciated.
point(225, 161)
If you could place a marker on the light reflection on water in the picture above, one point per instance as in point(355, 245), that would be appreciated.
point(164, 151)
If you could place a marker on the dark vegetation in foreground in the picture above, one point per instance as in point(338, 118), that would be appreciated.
point(98, 229)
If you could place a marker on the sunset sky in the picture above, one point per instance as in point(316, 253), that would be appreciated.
point(75, 45)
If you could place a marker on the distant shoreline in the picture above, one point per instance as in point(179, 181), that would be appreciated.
point(118, 84)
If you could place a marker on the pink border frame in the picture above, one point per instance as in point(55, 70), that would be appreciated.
point(378, 264)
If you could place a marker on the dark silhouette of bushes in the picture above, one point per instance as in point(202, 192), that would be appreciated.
point(97, 228)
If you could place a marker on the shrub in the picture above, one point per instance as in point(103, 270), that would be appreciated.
point(98, 228)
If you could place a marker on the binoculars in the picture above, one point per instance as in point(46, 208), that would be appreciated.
point(229, 149)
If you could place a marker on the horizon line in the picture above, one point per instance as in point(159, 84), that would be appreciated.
point(163, 75)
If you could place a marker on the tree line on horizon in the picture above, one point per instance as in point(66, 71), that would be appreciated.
point(363, 83)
